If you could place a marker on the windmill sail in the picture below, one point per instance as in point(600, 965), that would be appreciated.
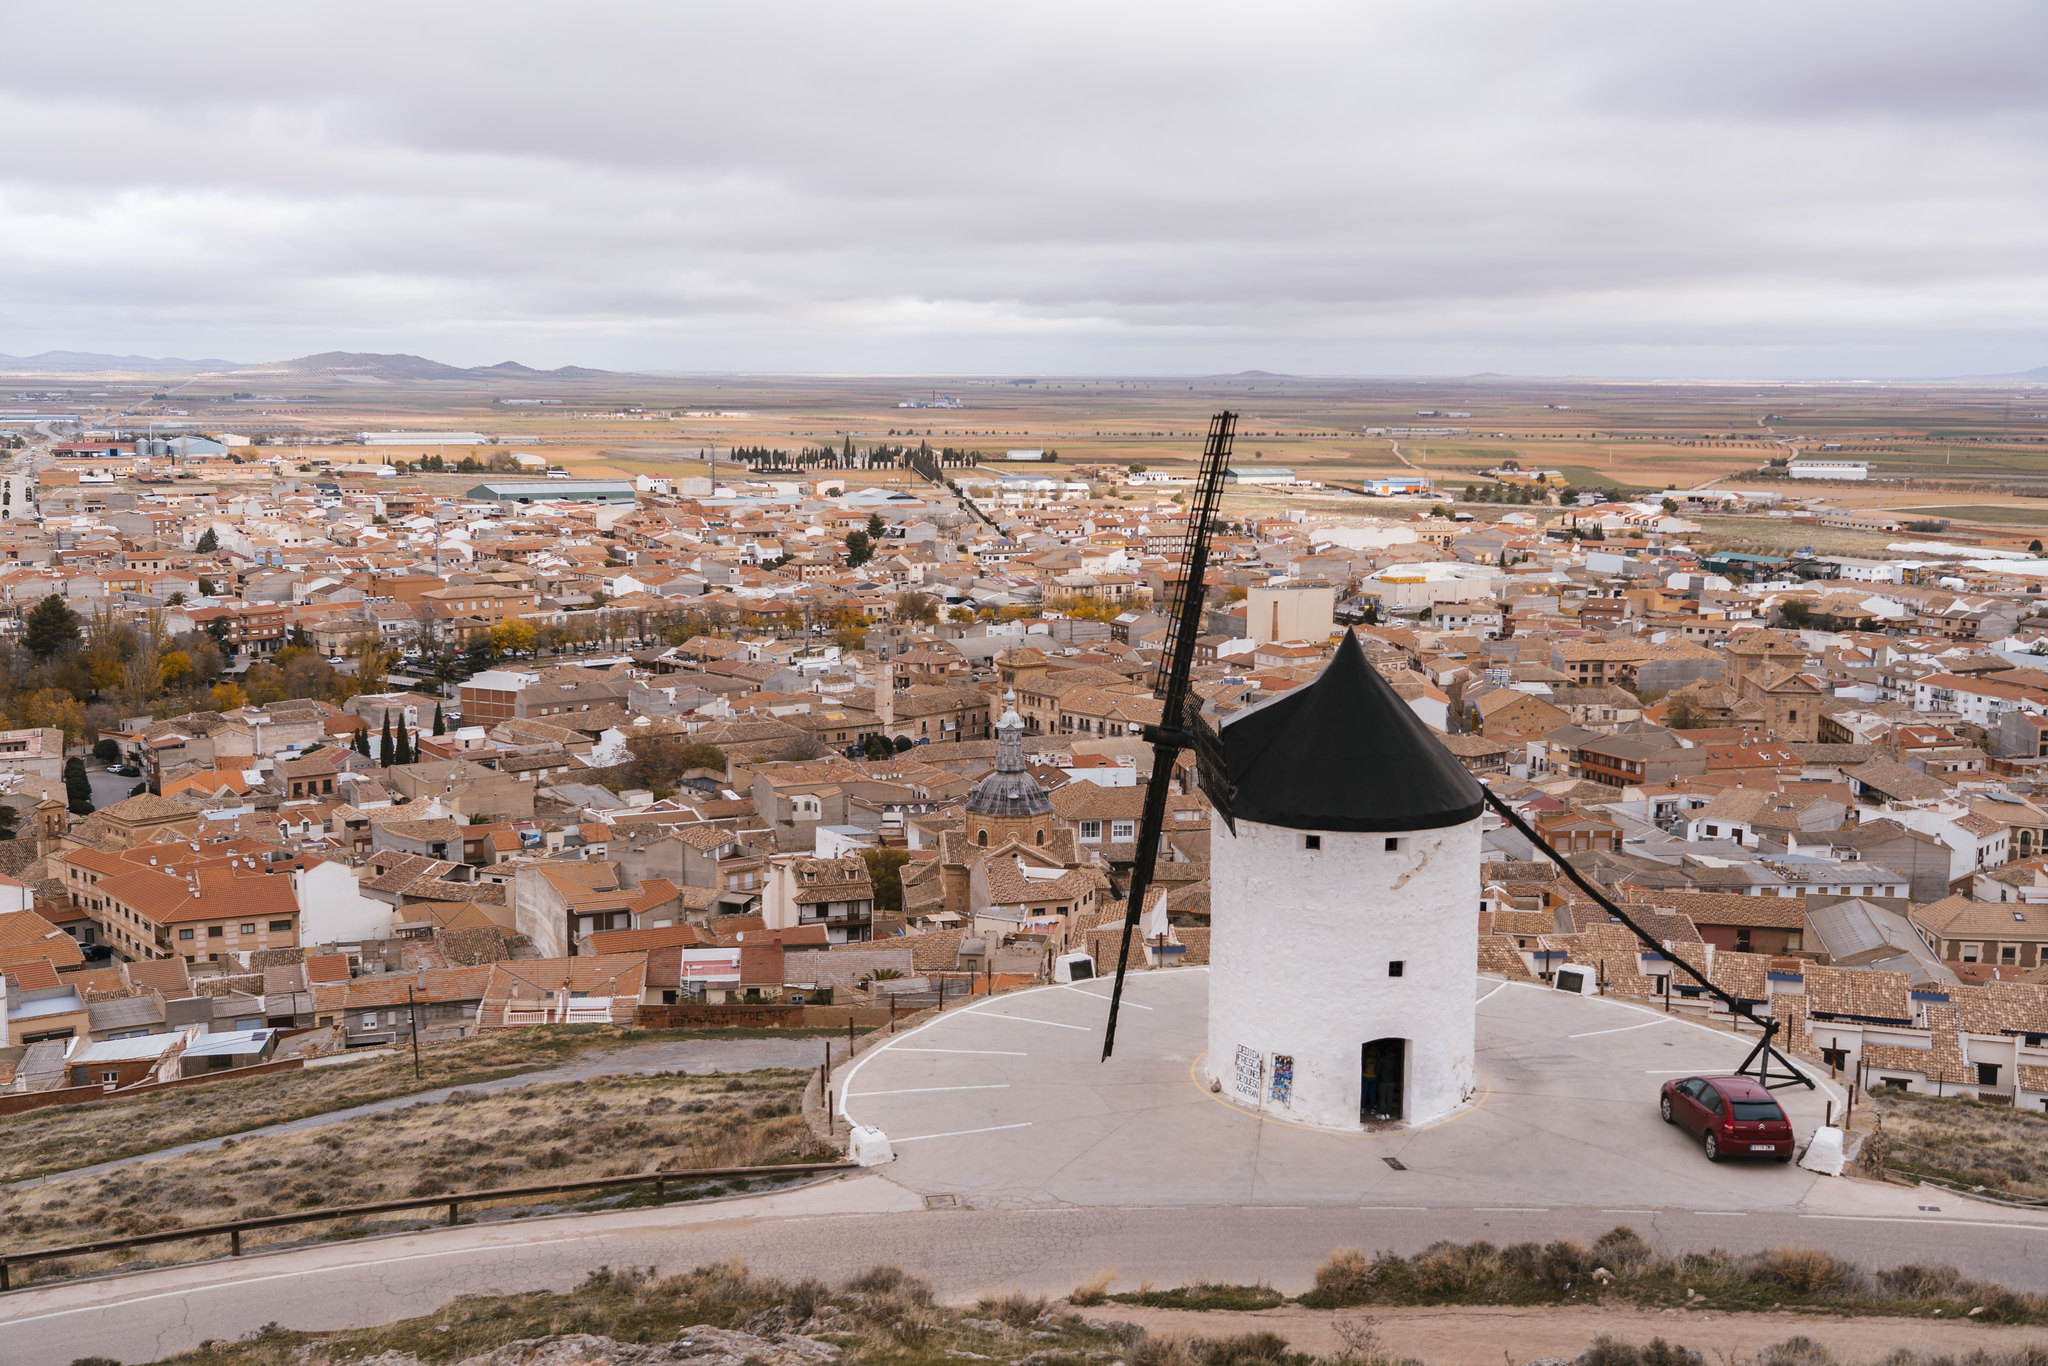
point(1176, 658)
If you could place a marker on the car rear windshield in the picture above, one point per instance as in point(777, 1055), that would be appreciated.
point(1755, 1111)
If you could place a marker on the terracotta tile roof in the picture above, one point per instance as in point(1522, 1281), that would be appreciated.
point(385, 990)
point(1744, 976)
point(168, 897)
point(1942, 1060)
point(1613, 952)
point(166, 975)
point(1864, 992)
point(34, 974)
point(1497, 954)
point(932, 951)
point(1727, 908)
point(639, 941)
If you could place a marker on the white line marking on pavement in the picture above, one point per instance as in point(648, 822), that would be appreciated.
point(1127, 1003)
point(978, 1052)
point(1508, 1209)
point(1910, 1219)
point(923, 1090)
point(1276, 1206)
point(1490, 995)
point(1724, 1213)
point(1819, 1079)
point(1623, 1030)
point(1026, 1019)
point(960, 1133)
point(1630, 1211)
point(1399, 1209)
point(184, 1291)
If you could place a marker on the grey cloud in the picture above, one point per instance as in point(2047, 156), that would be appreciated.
point(1336, 188)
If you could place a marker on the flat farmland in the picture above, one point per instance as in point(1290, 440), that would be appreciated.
point(1947, 438)
point(1993, 514)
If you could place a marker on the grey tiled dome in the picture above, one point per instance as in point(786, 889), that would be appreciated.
point(1010, 790)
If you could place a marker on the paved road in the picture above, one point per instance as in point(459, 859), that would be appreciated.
point(694, 1056)
point(842, 1227)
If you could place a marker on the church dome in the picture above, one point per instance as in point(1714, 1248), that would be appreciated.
point(1345, 753)
point(1010, 790)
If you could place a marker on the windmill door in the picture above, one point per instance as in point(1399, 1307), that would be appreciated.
point(1379, 1083)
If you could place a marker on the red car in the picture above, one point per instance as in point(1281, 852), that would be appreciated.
point(1734, 1116)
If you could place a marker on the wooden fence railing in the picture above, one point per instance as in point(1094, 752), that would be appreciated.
point(233, 1229)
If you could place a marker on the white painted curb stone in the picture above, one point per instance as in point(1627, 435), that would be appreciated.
point(869, 1146)
point(1824, 1153)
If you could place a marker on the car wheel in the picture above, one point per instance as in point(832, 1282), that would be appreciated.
point(1664, 1108)
point(1784, 1157)
point(1713, 1149)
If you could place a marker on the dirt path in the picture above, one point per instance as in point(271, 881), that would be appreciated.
point(1496, 1336)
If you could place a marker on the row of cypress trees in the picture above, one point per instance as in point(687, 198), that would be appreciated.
point(395, 748)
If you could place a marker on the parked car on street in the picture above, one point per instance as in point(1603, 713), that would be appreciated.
point(1734, 1116)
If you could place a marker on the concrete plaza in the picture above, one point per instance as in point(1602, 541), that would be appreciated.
point(1006, 1104)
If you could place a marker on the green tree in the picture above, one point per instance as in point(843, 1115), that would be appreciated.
point(299, 638)
point(402, 752)
point(1795, 614)
point(885, 869)
point(1372, 614)
point(77, 787)
point(208, 543)
point(362, 741)
point(386, 755)
point(877, 528)
point(107, 751)
point(9, 819)
point(921, 608)
point(876, 746)
point(440, 726)
point(2034, 546)
point(859, 549)
point(52, 628)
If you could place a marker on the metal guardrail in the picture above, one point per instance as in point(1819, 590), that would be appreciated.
point(234, 1229)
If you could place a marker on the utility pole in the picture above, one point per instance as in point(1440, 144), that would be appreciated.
point(413, 1008)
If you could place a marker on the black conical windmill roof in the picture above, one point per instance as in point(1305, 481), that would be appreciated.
point(1345, 753)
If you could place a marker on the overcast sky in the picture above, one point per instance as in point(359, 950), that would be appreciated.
point(1782, 189)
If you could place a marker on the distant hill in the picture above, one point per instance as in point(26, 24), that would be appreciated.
point(512, 369)
point(2038, 372)
point(94, 362)
point(361, 366)
point(368, 367)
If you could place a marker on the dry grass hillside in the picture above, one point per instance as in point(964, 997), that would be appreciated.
point(565, 1131)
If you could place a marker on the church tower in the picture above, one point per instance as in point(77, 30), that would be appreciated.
point(1344, 909)
point(1009, 802)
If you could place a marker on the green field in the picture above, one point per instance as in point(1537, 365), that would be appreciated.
point(1990, 513)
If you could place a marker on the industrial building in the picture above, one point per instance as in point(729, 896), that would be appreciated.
point(559, 490)
point(422, 439)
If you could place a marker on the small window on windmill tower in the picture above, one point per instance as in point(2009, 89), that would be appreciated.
point(1394, 968)
point(1312, 843)
point(1393, 845)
